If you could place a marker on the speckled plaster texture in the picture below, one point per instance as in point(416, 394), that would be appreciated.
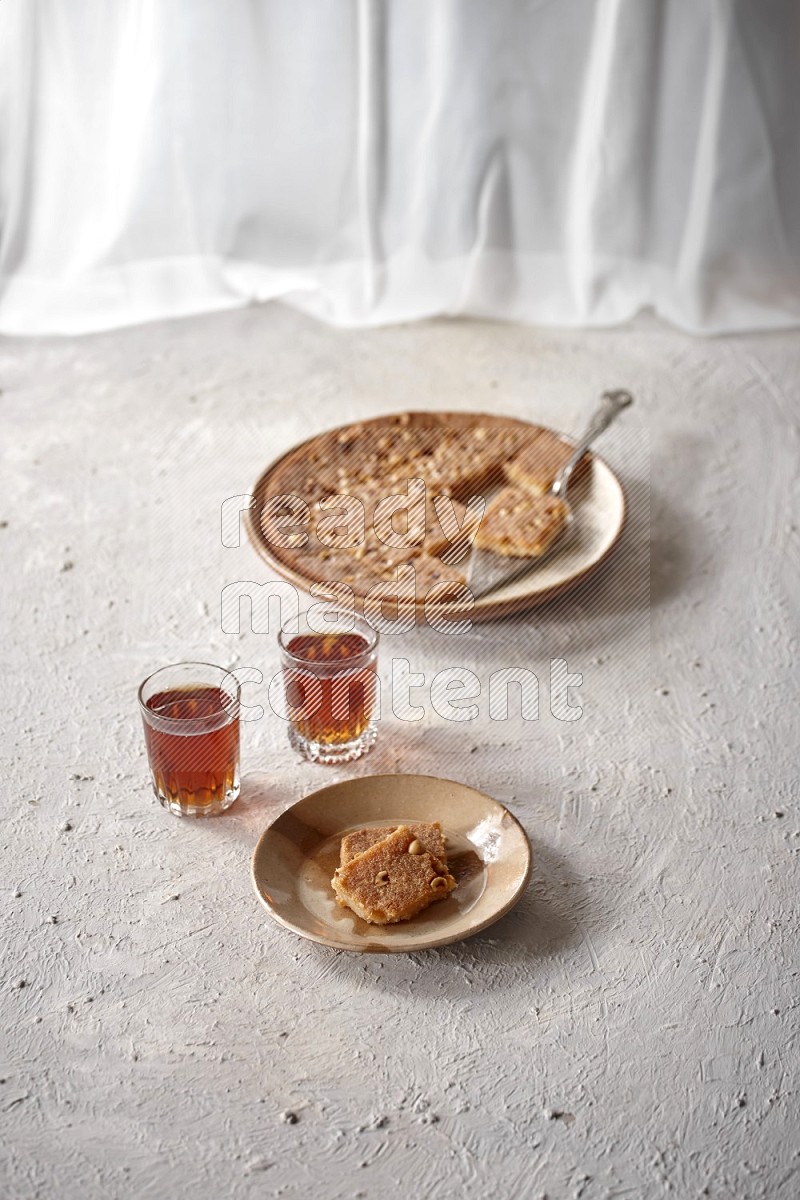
point(630, 1030)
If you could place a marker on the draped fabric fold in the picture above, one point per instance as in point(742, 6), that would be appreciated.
point(566, 163)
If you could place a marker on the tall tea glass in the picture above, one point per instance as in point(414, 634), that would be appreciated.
point(191, 727)
point(331, 684)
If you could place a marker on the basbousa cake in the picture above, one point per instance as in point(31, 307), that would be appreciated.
point(456, 455)
point(518, 524)
point(393, 880)
point(428, 834)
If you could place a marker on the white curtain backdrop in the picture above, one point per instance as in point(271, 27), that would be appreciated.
point(564, 162)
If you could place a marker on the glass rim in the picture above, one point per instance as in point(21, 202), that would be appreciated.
point(182, 722)
point(359, 624)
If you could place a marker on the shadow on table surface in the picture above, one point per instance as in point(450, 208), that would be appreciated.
point(656, 558)
point(549, 922)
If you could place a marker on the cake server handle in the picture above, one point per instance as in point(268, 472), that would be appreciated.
point(611, 405)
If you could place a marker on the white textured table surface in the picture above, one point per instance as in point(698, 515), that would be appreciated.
point(630, 1029)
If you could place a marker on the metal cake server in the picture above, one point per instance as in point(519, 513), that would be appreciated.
point(488, 571)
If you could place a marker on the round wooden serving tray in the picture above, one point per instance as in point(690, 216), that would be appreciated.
point(598, 502)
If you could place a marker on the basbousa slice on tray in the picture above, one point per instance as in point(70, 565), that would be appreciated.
point(519, 524)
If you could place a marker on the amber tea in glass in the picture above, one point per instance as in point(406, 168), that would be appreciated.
point(191, 728)
point(331, 685)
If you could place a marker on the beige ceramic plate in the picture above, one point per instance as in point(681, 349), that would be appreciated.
point(488, 853)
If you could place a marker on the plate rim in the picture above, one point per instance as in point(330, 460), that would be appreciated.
point(434, 942)
point(483, 609)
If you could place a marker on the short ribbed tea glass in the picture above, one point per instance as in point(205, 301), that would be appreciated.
point(331, 685)
point(191, 727)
